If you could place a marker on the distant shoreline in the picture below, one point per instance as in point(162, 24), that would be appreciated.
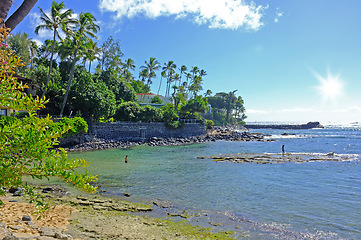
point(308, 125)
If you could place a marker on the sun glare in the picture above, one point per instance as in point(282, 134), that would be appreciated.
point(330, 88)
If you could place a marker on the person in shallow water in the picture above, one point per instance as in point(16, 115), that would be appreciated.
point(283, 149)
point(126, 159)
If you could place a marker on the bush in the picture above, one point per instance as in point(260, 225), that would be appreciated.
point(71, 126)
point(169, 113)
point(127, 111)
point(149, 113)
point(174, 124)
point(157, 100)
point(6, 121)
point(209, 123)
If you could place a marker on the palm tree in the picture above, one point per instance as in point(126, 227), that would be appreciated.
point(84, 29)
point(151, 66)
point(128, 65)
point(163, 75)
point(182, 71)
point(143, 75)
point(169, 68)
point(58, 19)
point(91, 52)
point(33, 48)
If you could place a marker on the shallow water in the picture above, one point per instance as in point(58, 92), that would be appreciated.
point(318, 200)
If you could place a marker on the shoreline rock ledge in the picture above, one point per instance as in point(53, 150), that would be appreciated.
point(308, 125)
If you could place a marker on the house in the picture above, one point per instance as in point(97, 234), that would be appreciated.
point(146, 99)
point(31, 90)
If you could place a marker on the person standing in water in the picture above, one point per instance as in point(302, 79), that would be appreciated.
point(283, 149)
point(126, 159)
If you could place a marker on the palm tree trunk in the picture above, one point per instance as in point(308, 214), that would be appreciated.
point(69, 82)
point(19, 14)
point(160, 84)
point(50, 67)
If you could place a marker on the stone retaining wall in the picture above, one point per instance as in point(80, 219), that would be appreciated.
point(131, 130)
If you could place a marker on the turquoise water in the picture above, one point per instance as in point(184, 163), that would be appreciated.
point(318, 200)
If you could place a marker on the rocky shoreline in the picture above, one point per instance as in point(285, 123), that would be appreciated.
point(96, 217)
point(215, 134)
point(276, 158)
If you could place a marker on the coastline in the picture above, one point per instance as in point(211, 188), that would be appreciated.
point(215, 134)
point(94, 216)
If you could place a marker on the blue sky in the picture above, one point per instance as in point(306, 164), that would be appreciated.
point(289, 60)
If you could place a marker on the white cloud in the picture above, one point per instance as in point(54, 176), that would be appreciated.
point(279, 14)
point(224, 14)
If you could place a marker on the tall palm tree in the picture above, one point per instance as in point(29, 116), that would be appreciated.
point(143, 75)
point(91, 52)
point(151, 66)
point(58, 19)
point(163, 75)
point(85, 29)
point(33, 48)
point(128, 65)
point(170, 69)
point(182, 71)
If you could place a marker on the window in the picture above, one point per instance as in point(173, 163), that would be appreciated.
point(3, 112)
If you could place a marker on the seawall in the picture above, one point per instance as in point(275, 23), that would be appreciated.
point(139, 131)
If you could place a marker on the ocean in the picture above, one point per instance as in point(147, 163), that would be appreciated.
point(312, 200)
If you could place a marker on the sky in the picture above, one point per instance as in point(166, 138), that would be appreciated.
point(290, 60)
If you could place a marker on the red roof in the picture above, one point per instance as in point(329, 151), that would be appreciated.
point(145, 94)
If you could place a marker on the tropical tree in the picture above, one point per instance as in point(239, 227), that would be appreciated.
point(17, 16)
point(169, 68)
point(27, 145)
point(90, 52)
point(163, 75)
point(110, 55)
point(84, 30)
point(59, 18)
point(182, 71)
point(128, 65)
point(20, 45)
point(151, 67)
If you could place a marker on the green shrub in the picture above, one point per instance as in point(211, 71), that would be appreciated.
point(174, 124)
point(6, 121)
point(208, 123)
point(149, 113)
point(127, 111)
point(71, 126)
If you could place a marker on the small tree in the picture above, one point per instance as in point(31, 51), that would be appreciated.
point(26, 145)
point(127, 111)
point(156, 100)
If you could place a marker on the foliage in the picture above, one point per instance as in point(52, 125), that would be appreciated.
point(149, 114)
point(127, 111)
point(110, 57)
point(156, 100)
point(209, 123)
point(122, 90)
point(6, 121)
point(20, 45)
point(169, 113)
point(140, 87)
point(26, 145)
point(74, 125)
point(91, 97)
point(195, 105)
point(174, 124)
point(227, 108)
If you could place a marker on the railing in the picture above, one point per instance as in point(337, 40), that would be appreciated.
point(190, 121)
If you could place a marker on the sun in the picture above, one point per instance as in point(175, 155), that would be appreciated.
point(331, 88)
